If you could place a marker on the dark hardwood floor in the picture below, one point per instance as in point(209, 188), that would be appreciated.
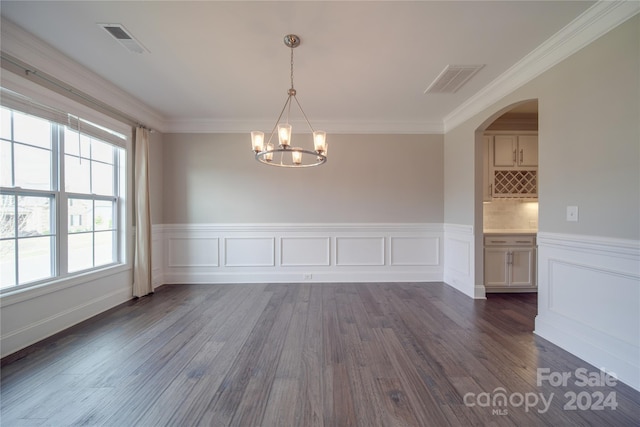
point(388, 354)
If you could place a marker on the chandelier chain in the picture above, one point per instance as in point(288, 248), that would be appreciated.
point(291, 68)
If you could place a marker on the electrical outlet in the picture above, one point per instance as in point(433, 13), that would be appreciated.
point(572, 213)
point(307, 276)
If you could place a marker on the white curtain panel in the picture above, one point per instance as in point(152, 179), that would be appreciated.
point(142, 256)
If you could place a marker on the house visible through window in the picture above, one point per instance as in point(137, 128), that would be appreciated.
point(62, 187)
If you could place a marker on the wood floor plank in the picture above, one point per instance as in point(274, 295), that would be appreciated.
point(424, 406)
point(203, 377)
point(192, 357)
point(330, 354)
point(310, 394)
point(283, 402)
point(246, 365)
point(172, 349)
point(339, 411)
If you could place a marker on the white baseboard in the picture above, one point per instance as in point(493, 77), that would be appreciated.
point(589, 300)
point(326, 277)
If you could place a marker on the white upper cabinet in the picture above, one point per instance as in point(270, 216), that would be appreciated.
point(515, 151)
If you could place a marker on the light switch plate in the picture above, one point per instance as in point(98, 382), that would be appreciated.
point(572, 213)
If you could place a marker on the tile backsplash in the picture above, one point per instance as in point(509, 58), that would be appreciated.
point(510, 214)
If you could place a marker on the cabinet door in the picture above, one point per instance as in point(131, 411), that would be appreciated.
point(504, 147)
point(528, 150)
point(522, 266)
point(496, 269)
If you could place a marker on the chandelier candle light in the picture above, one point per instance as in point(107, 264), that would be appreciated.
point(286, 155)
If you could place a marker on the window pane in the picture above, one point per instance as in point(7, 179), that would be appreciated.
point(32, 167)
point(77, 175)
point(7, 216)
point(34, 216)
point(104, 215)
point(80, 214)
point(6, 166)
point(5, 123)
point(75, 147)
point(101, 151)
point(31, 130)
point(34, 258)
point(80, 251)
point(102, 179)
point(29, 148)
point(7, 263)
point(104, 247)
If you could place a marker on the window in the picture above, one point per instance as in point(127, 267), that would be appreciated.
point(62, 187)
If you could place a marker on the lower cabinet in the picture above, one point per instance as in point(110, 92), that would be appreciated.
point(510, 263)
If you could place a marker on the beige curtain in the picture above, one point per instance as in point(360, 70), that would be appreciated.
point(142, 253)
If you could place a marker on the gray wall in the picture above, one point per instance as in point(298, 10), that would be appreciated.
point(213, 178)
point(590, 156)
point(156, 173)
point(589, 142)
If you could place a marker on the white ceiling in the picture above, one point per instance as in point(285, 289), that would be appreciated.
point(361, 64)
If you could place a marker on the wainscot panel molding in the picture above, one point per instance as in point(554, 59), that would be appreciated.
point(589, 300)
point(360, 251)
point(249, 252)
point(305, 251)
point(459, 264)
point(192, 252)
point(289, 253)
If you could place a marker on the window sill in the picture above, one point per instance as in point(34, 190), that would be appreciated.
point(9, 297)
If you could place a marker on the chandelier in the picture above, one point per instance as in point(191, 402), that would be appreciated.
point(285, 155)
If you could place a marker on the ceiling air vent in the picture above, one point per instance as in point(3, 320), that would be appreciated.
point(452, 78)
point(124, 37)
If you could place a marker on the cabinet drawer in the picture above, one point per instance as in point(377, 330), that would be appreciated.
point(509, 240)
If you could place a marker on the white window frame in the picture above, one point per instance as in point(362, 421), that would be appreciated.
point(59, 206)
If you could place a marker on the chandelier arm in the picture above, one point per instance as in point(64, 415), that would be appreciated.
point(305, 116)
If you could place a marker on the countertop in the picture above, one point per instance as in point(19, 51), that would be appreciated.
point(513, 231)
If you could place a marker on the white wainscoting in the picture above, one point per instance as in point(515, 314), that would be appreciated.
point(589, 300)
point(157, 256)
point(34, 314)
point(289, 253)
point(459, 260)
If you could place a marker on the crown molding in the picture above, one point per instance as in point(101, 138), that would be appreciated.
point(596, 21)
point(43, 57)
point(351, 127)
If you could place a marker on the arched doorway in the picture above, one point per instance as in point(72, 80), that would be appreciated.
point(503, 269)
